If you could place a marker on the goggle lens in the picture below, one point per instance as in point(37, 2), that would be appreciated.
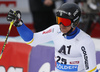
point(64, 21)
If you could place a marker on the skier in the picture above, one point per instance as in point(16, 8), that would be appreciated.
point(74, 49)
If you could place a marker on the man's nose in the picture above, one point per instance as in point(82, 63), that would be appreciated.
point(61, 24)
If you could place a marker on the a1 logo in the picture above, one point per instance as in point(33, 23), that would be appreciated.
point(11, 69)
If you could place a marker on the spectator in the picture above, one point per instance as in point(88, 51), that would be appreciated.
point(89, 16)
point(42, 12)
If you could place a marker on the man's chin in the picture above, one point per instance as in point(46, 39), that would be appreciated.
point(63, 31)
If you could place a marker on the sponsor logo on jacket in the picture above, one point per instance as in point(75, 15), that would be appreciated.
point(64, 67)
point(85, 57)
point(47, 31)
point(74, 62)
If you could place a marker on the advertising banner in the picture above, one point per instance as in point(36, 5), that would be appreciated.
point(20, 57)
point(42, 59)
point(15, 57)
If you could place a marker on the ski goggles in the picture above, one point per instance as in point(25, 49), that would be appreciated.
point(64, 21)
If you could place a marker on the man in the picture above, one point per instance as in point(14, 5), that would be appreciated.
point(42, 13)
point(74, 49)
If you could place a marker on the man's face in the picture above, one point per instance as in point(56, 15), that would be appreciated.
point(64, 29)
point(65, 24)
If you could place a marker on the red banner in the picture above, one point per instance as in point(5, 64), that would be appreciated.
point(15, 57)
point(7, 3)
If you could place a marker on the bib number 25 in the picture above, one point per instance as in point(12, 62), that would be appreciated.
point(61, 60)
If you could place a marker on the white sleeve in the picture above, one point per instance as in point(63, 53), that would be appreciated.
point(43, 36)
point(89, 56)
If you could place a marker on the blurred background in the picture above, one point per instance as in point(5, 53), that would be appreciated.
point(89, 22)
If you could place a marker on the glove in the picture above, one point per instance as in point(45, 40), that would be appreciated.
point(16, 16)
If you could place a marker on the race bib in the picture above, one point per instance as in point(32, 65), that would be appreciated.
point(64, 67)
